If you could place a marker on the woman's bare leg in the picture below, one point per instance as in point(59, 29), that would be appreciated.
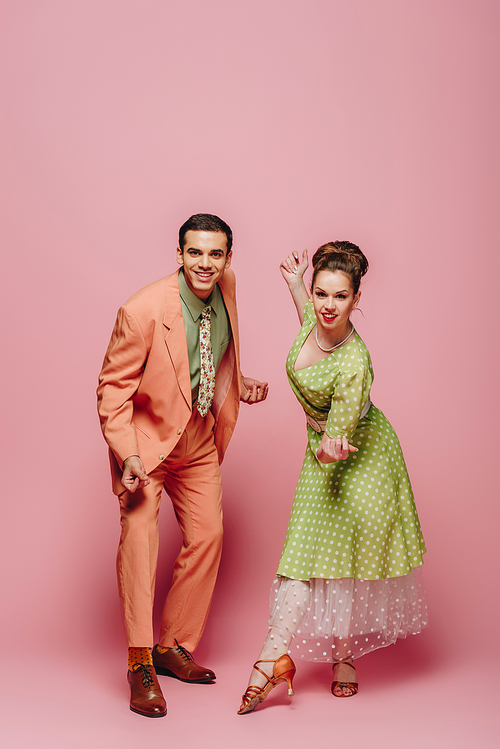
point(286, 619)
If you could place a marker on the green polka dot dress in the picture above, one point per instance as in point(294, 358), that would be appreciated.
point(353, 525)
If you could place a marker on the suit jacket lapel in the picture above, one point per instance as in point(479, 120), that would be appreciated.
point(227, 286)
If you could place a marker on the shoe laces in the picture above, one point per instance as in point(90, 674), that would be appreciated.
point(185, 653)
point(146, 674)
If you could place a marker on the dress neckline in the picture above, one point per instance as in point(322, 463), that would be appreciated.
point(303, 369)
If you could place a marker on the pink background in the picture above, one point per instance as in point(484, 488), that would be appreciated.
point(298, 122)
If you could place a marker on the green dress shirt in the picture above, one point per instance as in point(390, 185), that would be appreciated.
point(220, 328)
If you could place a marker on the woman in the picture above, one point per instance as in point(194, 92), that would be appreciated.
point(348, 579)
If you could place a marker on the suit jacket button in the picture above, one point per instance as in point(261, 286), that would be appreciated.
point(161, 457)
point(179, 431)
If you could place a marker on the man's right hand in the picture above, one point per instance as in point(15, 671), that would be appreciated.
point(134, 475)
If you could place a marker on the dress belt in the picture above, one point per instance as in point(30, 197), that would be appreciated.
point(320, 426)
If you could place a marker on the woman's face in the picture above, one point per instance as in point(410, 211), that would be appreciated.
point(333, 299)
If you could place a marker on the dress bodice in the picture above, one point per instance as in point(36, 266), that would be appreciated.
point(337, 387)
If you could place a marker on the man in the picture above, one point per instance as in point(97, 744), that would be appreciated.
point(168, 399)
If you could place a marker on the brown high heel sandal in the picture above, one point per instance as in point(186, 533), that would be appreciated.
point(283, 670)
point(351, 685)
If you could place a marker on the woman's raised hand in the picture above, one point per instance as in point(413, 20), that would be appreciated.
point(291, 269)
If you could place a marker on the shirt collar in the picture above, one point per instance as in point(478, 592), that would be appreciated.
point(194, 304)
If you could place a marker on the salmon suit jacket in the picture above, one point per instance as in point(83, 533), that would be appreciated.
point(144, 391)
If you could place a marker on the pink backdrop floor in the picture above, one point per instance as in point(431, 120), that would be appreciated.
point(298, 122)
point(404, 701)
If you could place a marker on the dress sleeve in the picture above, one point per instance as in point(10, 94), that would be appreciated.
point(352, 388)
point(309, 315)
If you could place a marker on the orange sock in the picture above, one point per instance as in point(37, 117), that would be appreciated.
point(139, 656)
point(161, 649)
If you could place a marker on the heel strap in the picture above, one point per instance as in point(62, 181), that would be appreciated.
point(343, 663)
point(261, 672)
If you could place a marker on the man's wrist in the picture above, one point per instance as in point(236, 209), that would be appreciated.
point(129, 458)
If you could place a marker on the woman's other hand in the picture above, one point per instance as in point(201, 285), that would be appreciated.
point(332, 450)
point(291, 269)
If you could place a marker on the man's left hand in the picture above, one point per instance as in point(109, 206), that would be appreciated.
point(253, 391)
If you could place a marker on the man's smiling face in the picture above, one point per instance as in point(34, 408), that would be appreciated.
point(205, 258)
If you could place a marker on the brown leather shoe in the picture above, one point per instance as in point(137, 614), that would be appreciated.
point(179, 663)
point(146, 697)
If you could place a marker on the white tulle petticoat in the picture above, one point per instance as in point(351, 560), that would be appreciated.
point(326, 620)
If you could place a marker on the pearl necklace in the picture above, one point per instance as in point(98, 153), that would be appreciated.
point(327, 350)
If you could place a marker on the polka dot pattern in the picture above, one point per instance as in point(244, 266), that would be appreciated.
point(328, 620)
point(354, 538)
point(357, 517)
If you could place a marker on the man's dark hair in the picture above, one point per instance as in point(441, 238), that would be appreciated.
point(205, 222)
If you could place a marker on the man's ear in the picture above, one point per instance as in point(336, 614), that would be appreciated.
point(229, 257)
point(180, 256)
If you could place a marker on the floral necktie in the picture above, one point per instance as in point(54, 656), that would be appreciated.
point(207, 371)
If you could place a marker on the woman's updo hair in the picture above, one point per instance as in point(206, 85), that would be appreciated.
point(343, 256)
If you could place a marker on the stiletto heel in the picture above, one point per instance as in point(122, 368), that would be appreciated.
point(283, 670)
